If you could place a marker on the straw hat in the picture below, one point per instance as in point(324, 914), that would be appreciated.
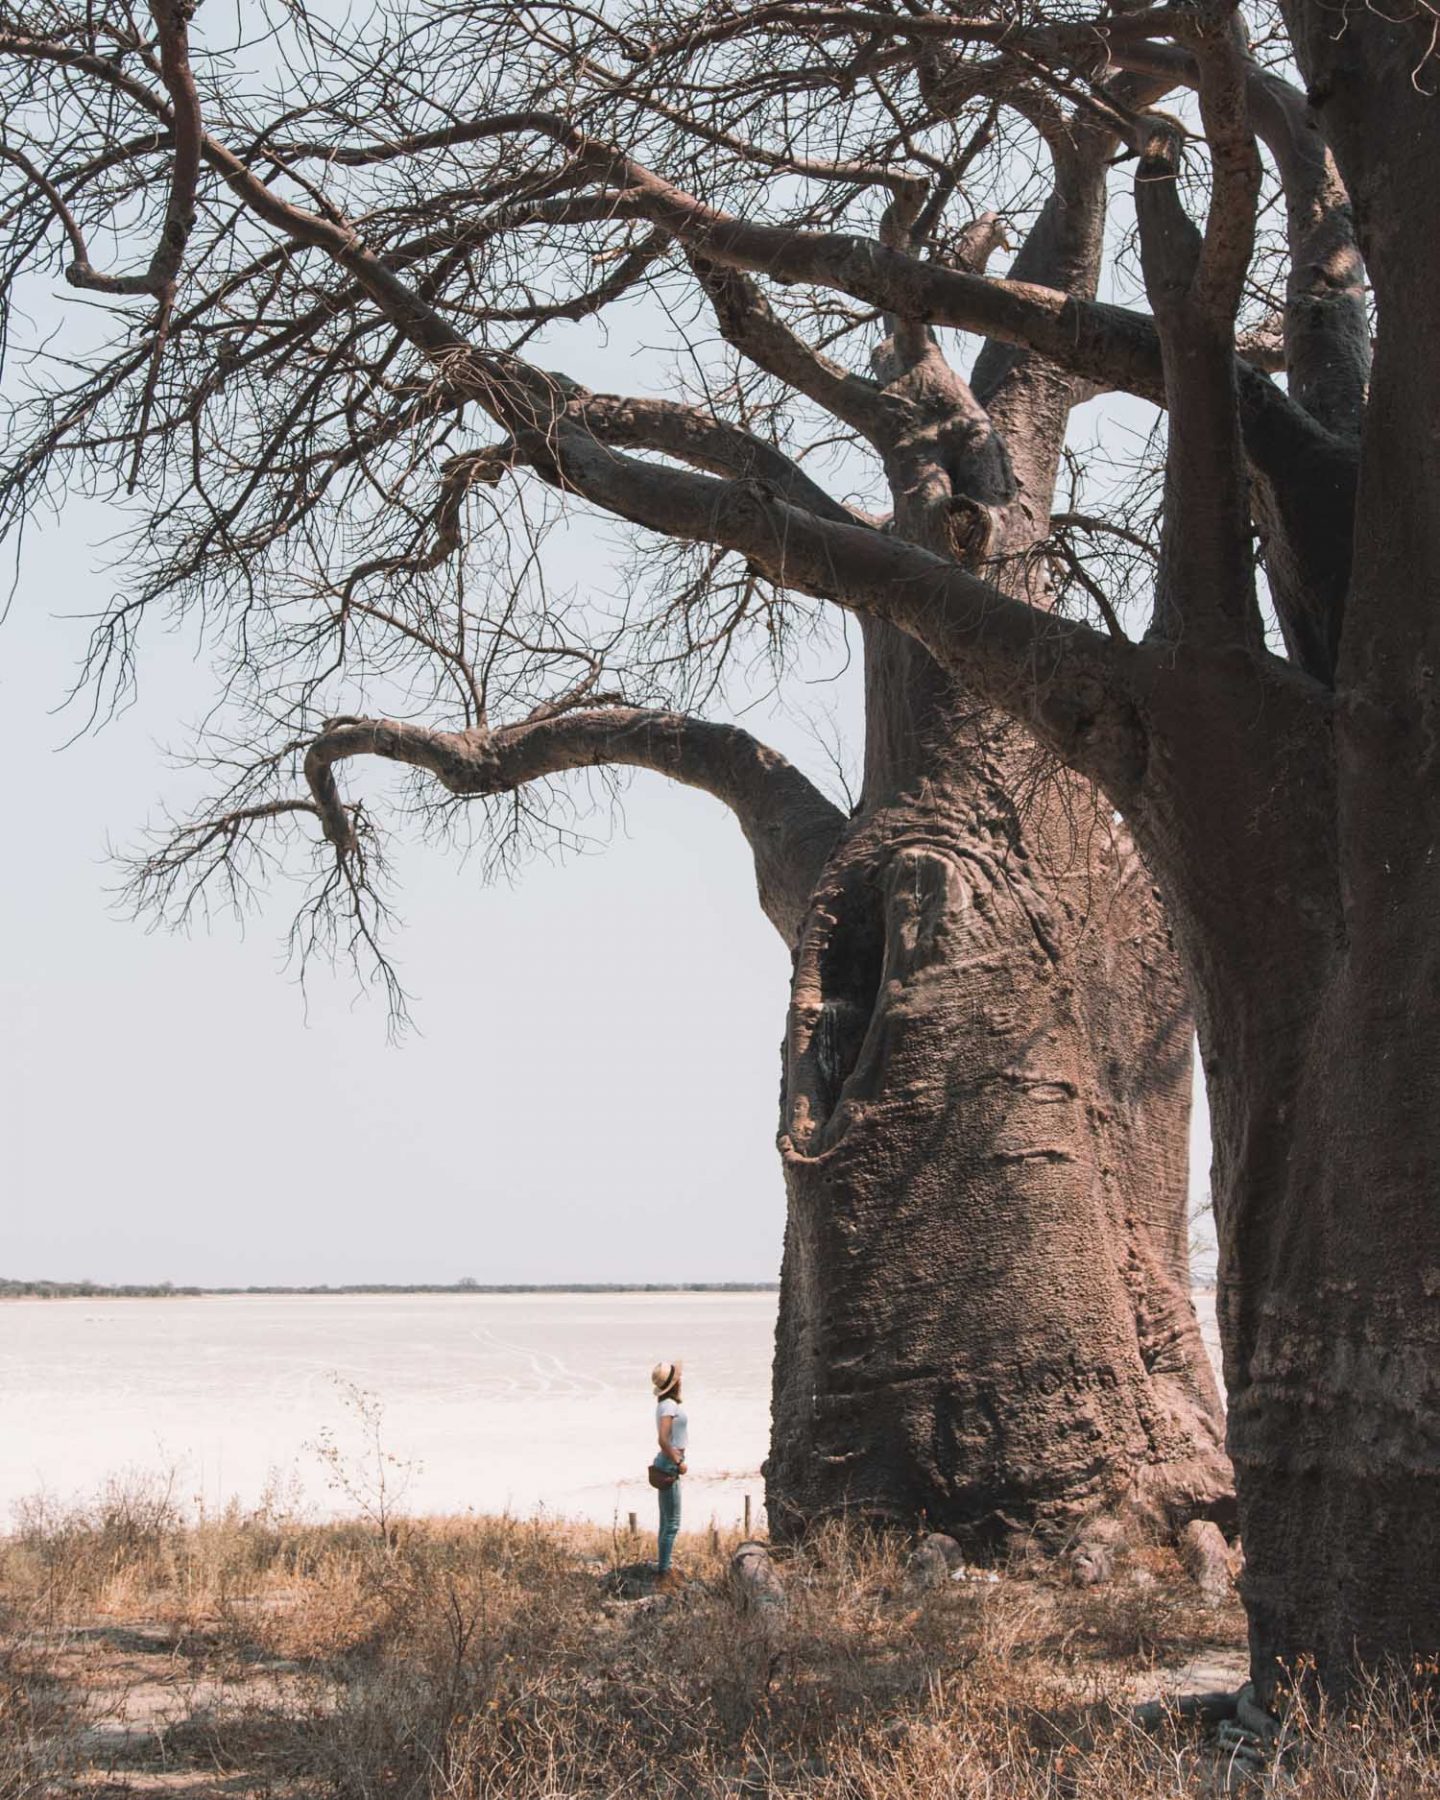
point(665, 1376)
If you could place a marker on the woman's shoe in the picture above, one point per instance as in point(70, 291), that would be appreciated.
point(669, 1583)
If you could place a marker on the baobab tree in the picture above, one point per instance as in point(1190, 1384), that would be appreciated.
point(362, 243)
point(985, 1318)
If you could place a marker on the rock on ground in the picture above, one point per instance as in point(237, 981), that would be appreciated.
point(932, 1562)
point(754, 1579)
point(1205, 1557)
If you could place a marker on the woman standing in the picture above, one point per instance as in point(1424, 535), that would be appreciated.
point(672, 1428)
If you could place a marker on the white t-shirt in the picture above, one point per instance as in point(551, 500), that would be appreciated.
point(680, 1423)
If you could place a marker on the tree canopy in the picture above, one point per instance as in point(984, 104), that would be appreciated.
point(337, 261)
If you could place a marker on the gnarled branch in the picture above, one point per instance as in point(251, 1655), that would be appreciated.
point(789, 824)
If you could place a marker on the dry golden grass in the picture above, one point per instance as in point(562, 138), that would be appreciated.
point(488, 1659)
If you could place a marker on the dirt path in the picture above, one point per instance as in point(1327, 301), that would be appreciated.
point(157, 1713)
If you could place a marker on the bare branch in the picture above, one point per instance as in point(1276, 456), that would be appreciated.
point(1326, 331)
point(1194, 281)
point(354, 453)
point(790, 826)
point(749, 323)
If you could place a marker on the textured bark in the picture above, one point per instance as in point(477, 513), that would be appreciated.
point(985, 1311)
point(1334, 1338)
point(1310, 938)
point(1292, 822)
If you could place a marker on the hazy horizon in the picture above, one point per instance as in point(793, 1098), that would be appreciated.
point(146, 1290)
point(232, 1400)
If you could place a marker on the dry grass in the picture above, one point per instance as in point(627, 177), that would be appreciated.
point(487, 1659)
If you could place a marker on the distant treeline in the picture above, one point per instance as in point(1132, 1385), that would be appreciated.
point(160, 1290)
point(80, 1290)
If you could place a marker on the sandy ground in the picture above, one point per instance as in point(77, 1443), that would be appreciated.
point(168, 1716)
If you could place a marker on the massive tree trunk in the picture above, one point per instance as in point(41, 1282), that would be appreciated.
point(1298, 856)
point(985, 1312)
point(1316, 983)
point(1331, 1317)
point(1290, 812)
point(1327, 1158)
point(985, 1309)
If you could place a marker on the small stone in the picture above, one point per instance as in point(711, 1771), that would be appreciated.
point(932, 1562)
point(1097, 1544)
point(754, 1580)
point(1091, 1564)
point(1205, 1557)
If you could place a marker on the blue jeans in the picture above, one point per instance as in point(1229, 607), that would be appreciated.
point(669, 1499)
